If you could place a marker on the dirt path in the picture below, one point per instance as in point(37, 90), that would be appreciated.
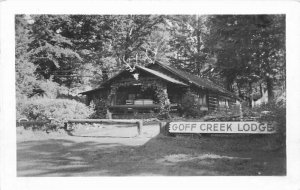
point(104, 154)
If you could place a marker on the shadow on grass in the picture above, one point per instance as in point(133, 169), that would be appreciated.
point(60, 157)
point(180, 156)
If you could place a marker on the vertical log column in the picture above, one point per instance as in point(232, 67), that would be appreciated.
point(162, 93)
point(111, 101)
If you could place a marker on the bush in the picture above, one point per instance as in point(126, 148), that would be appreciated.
point(189, 107)
point(221, 115)
point(274, 112)
point(59, 109)
point(99, 108)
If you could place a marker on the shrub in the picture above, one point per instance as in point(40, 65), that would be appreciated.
point(222, 115)
point(274, 112)
point(99, 108)
point(59, 109)
point(189, 107)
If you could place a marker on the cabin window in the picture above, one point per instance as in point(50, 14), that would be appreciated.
point(223, 102)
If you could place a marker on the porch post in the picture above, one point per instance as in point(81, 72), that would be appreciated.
point(164, 101)
point(110, 101)
point(111, 96)
point(167, 101)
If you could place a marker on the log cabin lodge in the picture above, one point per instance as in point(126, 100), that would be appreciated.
point(142, 92)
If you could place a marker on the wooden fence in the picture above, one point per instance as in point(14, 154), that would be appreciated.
point(26, 123)
point(139, 123)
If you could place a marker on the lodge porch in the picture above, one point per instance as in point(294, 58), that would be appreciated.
point(134, 101)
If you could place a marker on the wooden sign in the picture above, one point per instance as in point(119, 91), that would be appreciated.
point(222, 127)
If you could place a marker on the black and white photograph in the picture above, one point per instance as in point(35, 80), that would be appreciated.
point(106, 95)
point(147, 94)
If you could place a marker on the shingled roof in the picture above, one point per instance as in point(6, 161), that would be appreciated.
point(185, 77)
point(152, 72)
point(161, 75)
point(196, 80)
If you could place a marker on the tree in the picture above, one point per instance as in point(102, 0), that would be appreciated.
point(90, 36)
point(49, 50)
point(77, 51)
point(25, 78)
point(30, 78)
point(249, 49)
point(187, 34)
point(108, 43)
point(130, 37)
point(271, 51)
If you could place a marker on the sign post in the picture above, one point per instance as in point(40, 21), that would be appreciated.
point(250, 127)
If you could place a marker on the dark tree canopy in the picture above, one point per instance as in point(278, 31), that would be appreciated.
point(74, 52)
point(187, 42)
point(249, 49)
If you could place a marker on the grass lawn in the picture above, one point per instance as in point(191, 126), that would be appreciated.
point(103, 152)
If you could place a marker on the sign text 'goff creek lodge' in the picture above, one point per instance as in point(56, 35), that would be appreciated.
point(222, 127)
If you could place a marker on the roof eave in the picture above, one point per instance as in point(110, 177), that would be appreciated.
point(178, 82)
point(91, 91)
point(191, 82)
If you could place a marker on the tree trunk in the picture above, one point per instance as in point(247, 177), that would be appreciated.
point(261, 90)
point(250, 95)
point(239, 90)
point(228, 83)
point(198, 33)
point(270, 88)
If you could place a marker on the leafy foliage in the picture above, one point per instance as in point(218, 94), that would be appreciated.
point(189, 107)
point(275, 112)
point(79, 51)
point(249, 50)
point(25, 77)
point(187, 35)
point(60, 109)
point(99, 107)
point(62, 55)
point(49, 49)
